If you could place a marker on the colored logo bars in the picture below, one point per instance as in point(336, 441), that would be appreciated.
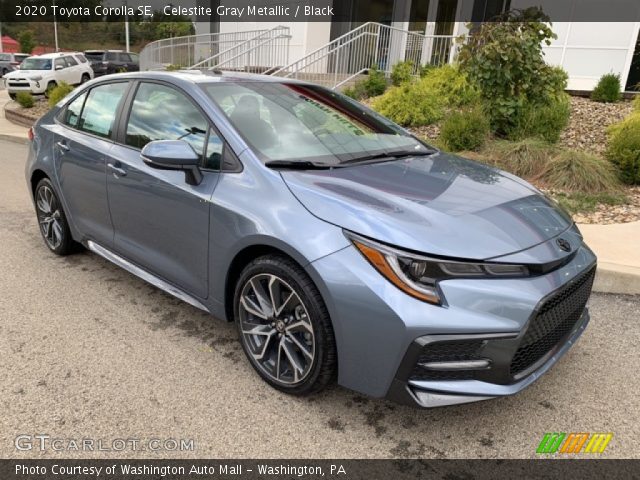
point(574, 443)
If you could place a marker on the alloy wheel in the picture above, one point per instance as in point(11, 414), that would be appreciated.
point(276, 329)
point(49, 217)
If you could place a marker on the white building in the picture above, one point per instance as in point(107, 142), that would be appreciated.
point(586, 50)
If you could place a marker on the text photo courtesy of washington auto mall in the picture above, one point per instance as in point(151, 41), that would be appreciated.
point(271, 239)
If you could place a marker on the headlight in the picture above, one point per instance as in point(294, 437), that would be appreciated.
point(418, 275)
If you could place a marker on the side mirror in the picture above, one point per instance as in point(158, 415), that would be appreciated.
point(173, 155)
point(59, 67)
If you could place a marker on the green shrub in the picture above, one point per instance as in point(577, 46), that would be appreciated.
point(402, 72)
point(608, 89)
point(173, 67)
point(636, 103)
point(526, 158)
point(58, 92)
point(542, 120)
point(25, 99)
point(374, 85)
point(465, 130)
point(506, 61)
point(578, 171)
point(424, 101)
point(624, 148)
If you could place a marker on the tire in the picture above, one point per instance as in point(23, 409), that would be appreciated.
point(4, 71)
point(85, 78)
point(13, 96)
point(52, 220)
point(300, 333)
point(50, 86)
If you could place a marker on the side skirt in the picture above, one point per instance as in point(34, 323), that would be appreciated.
point(144, 275)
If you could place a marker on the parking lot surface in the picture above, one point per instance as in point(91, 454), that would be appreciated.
point(88, 351)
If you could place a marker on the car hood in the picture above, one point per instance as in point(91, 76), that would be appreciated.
point(440, 205)
point(25, 73)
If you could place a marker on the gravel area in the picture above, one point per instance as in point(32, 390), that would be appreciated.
point(608, 214)
point(587, 129)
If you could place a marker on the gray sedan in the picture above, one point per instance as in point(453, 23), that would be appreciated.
point(342, 247)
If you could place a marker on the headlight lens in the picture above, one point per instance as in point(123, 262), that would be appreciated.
point(418, 275)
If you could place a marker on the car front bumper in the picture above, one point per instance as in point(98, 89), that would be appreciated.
point(381, 332)
point(25, 85)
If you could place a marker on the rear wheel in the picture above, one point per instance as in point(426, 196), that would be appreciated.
point(85, 78)
point(52, 220)
point(284, 326)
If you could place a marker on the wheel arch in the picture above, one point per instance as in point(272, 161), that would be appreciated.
point(239, 262)
point(36, 176)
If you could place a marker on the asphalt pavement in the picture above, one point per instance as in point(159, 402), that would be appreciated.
point(88, 351)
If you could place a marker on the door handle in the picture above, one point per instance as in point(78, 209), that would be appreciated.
point(63, 146)
point(117, 171)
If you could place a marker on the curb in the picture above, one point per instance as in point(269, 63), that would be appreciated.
point(619, 279)
point(18, 118)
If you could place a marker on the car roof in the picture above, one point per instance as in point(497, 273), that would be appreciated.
point(55, 55)
point(207, 76)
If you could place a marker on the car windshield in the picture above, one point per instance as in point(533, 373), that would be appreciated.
point(35, 63)
point(288, 122)
point(93, 56)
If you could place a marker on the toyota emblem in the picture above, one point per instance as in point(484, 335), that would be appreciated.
point(564, 245)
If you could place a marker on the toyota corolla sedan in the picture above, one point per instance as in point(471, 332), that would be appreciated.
point(343, 247)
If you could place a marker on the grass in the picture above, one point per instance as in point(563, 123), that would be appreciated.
point(579, 202)
point(526, 158)
point(576, 171)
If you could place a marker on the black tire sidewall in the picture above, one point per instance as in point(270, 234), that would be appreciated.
point(67, 243)
point(323, 332)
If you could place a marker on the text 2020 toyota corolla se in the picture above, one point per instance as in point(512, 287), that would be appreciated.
point(340, 245)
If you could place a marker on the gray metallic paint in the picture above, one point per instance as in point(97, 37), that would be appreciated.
point(440, 206)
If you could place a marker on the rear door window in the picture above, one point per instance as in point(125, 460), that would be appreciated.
point(71, 62)
point(99, 112)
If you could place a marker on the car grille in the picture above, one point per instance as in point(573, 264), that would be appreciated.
point(18, 84)
point(447, 352)
point(555, 319)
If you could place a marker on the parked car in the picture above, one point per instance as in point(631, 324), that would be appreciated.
point(104, 62)
point(39, 74)
point(341, 245)
point(10, 62)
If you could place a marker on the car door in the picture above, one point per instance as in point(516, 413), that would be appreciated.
point(61, 70)
point(161, 223)
point(124, 61)
point(73, 71)
point(82, 137)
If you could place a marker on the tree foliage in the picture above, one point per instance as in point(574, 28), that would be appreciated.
point(506, 61)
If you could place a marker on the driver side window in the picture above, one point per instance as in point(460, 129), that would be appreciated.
point(159, 112)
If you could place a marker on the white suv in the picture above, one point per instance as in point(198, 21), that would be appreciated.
point(41, 73)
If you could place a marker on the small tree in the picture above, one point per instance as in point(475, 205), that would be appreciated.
point(27, 43)
point(505, 60)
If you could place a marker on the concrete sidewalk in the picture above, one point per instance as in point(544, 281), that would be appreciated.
point(618, 249)
point(617, 246)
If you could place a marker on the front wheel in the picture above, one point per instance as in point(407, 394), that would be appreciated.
point(52, 220)
point(284, 326)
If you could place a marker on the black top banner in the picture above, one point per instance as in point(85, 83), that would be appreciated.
point(353, 11)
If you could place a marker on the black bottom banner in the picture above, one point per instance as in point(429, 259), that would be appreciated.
point(315, 469)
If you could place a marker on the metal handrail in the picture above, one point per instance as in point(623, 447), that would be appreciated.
point(186, 51)
point(248, 52)
point(261, 33)
point(355, 52)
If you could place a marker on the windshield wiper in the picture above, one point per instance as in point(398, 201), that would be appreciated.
point(297, 165)
point(387, 156)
